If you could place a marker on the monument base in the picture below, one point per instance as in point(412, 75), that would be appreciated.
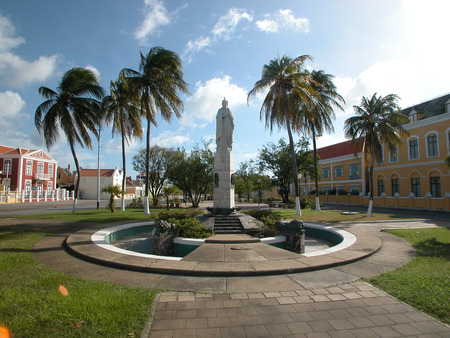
point(222, 211)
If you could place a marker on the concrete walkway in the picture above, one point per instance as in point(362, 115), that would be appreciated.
point(332, 302)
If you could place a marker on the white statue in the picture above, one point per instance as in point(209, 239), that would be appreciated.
point(224, 127)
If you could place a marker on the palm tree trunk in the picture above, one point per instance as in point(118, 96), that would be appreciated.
point(298, 211)
point(147, 163)
point(315, 168)
point(124, 178)
point(369, 209)
point(77, 185)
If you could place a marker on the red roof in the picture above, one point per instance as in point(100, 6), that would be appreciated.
point(340, 149)
point(12, 151)
point(93, 172)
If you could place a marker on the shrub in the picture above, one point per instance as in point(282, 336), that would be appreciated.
point(341, 192)
point(269, 218)
point(190, 228)
point(308, 203)
point(185, 222)
point(136, 203)
point(176, 214)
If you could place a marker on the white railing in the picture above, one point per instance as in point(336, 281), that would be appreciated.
point(24, 196)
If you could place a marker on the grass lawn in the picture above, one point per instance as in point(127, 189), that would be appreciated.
point(97, 215)
point(424, 282)
point(105, 216)
point(31, 304)
point(333, 216)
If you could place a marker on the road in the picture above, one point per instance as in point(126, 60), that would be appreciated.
point(19, 209)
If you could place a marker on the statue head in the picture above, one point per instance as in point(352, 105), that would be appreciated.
point(224, 103)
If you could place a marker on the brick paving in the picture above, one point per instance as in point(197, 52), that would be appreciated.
point(348, 310)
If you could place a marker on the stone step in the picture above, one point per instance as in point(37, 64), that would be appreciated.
point(238, 231)
point(228, 225)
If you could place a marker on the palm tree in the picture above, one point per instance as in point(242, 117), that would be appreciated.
point(378, 121)
point(289, 85)
point(319, 114)
point(113, 191)
point(75, 109)
point(159, 79)
point(121, 109)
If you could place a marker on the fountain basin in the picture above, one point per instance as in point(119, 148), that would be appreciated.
point(339, 239)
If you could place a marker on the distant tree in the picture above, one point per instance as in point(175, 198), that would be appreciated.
point(193, 172)
point(160, 161)
point(113, 191)
point(276, 158)
point(159, 80)
point(121, 109)
point(75, 109)
point(243, 179)
point(378, 121)
point(261, 183)
point(289, 87)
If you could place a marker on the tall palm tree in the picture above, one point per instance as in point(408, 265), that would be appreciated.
point(159, 79)
point(378, 121)
point(319, 114)
point(75, 109)
point(121, 109)
point(288, 85)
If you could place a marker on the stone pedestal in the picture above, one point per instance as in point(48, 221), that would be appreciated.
point(223, 183)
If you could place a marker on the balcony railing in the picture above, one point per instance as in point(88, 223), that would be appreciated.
point(42, 177)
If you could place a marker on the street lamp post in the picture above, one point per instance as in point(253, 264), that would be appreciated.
point(98, 170)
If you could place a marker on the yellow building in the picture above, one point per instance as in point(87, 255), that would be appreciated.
point(414, 175)
point(342, 168)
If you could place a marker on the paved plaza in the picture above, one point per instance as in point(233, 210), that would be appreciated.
point(330, 302)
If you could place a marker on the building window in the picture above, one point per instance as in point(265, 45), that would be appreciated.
point(395, 186)
point(326, 190)
point(415, 186)
point(413, 149)
point(413, 116)
point(435, 186)
point(7, 167)
point(29, 168)
point(432, 146)
point(40, 168)
point(393, 154)
point(353, 170)
point(354, 189)
point(325, 172)
point(338, 171)
point(448, 142)
point(380, 187)
point(50, 170)
point(27, 188)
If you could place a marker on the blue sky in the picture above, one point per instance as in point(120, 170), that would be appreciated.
point(382, 46)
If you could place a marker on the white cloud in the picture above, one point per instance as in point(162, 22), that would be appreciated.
point(283, 18)
point(8, 40)
point(11, 104)
point(202, 106)
point(171, 139)
point(14, 71)
point(156, 15)
point(197, 45)
point(223, 29)
point(227, 23)
point(268, 25)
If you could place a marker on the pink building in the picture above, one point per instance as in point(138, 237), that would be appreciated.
point(28, 171)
